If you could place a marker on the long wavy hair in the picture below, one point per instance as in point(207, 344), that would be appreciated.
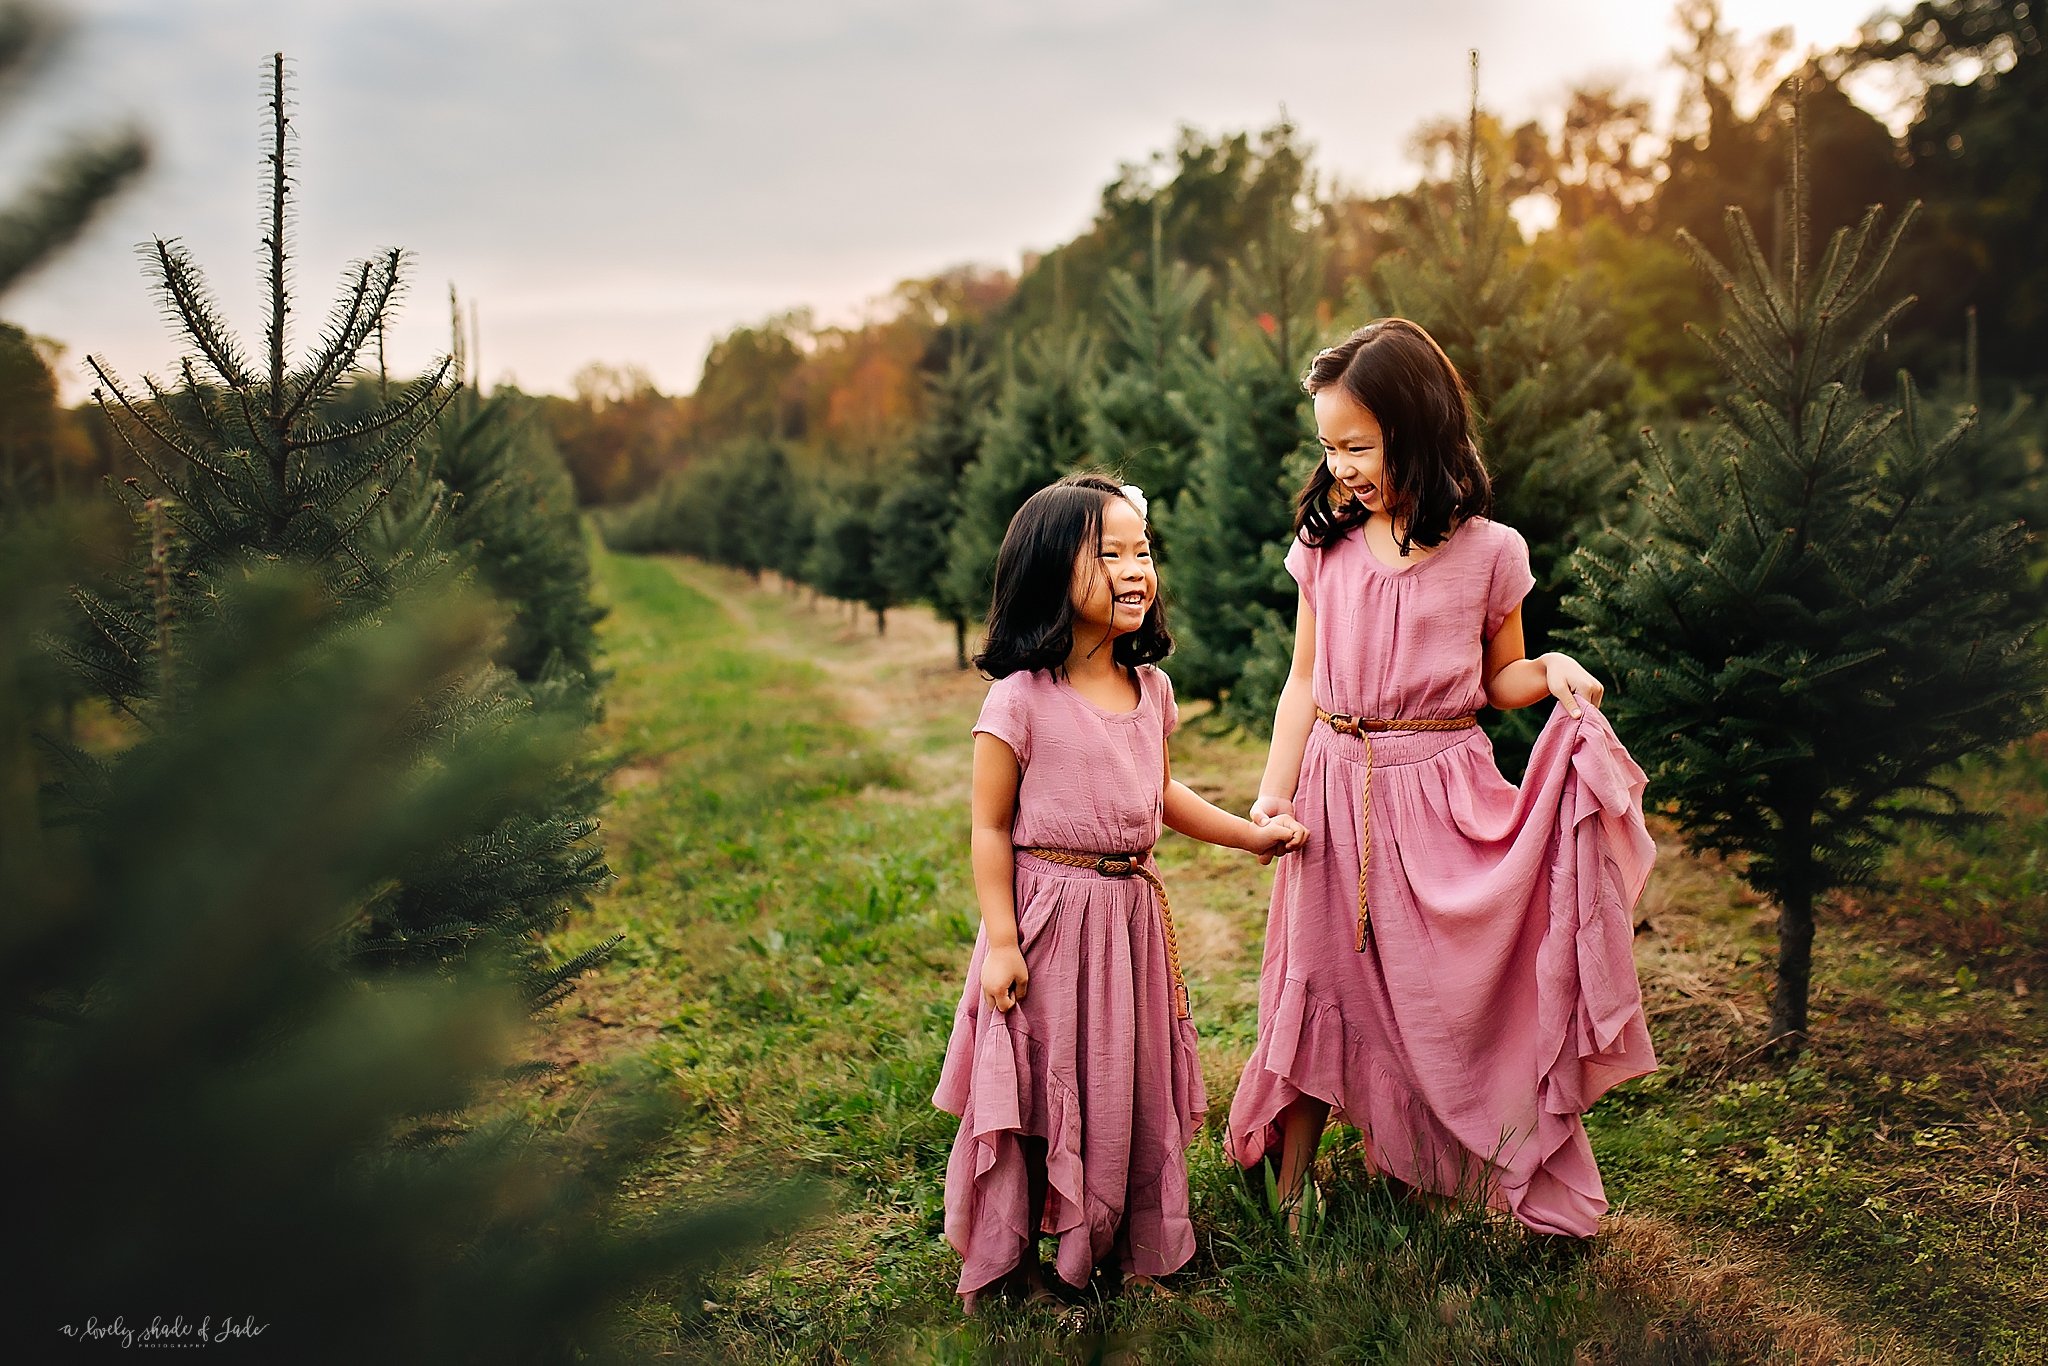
point(1433, 475)
point(1031, 619)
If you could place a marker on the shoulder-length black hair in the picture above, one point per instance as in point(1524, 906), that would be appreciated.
point(1433, 474)
point(1031, 619)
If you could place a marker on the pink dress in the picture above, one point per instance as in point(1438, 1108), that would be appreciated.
point(1496, 998)
point(1093, 1060)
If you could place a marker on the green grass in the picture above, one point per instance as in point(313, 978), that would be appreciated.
point(797, 907)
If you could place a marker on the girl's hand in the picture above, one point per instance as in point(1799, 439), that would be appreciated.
point(1266, 808)
point(1280, 835)
point(1569, 682)
point(1004, 978)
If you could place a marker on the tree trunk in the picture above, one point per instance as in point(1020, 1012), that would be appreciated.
point(1795, 962)
point(960, 641)
point(881, 621)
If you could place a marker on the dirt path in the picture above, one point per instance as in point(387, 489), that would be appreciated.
point(901, 685)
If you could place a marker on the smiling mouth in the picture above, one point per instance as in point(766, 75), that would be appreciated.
point(1130, 600)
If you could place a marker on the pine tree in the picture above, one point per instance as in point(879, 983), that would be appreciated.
point(796, 531)
point(177, 1037)
point(842, 560)
point(1804, 632)
point(254, 471)
point(249, 468)
point(72, 186)
point(1544, 382)
point(1037, 432)
point(759, 493)
point(514, 512)
point(915, 518)
point(1140, 420)
point(1231, 599)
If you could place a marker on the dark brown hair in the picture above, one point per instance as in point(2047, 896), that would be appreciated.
point(1031, 620)
point(1433, 473)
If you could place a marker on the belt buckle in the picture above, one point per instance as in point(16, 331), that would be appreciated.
point(1344, 723)
point(1117, 865)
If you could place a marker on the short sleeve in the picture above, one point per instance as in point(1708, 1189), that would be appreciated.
point(1303, 562)
point(1511, 579)
point(1169, 711)
point(1004, 715)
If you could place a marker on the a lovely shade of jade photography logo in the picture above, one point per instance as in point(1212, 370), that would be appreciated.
point(176, 1331)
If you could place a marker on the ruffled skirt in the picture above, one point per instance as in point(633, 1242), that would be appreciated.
point(1497, 997)
point(1093, 1062)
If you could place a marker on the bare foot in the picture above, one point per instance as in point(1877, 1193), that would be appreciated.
point(1293, 1206)
point(1146, 1288)
point(1028, 1282)
point(1431, 1202)
point(1036, 1289)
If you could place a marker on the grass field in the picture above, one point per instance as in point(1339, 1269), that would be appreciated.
point(789, 827)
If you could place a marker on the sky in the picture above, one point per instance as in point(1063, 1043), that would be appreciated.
point(624, 181)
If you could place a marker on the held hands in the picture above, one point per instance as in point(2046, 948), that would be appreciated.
point(1274, 828)
point(1265, 808)
point(1569, 682)
point(1004, 978)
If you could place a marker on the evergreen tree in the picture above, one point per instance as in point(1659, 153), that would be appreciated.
point(514, 511)
point(178, 1039)
point(915, 517)
point(842, 560)
point(1539, 361)
point(1543, 379)
point(1805, 633)
point(795, 532)
point(1037, 432)
point(645, 525)
point(1140, 422)
point(256, 467)
point(1231, 597)
point(72, 186)
point(757, 494)
point(252, 465)
point(41, 451)
point(1205, 200)
point(70, 189)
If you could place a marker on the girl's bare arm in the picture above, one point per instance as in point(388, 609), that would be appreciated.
point(1195, 816)
point(1292, 720)
point(1513, 680)
point(993, 813)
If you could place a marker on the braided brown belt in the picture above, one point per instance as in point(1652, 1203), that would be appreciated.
point(1127, 865)
point(1364, 729)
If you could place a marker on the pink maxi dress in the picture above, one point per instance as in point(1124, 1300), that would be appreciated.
point(1094, 1060)
point(1496, 998)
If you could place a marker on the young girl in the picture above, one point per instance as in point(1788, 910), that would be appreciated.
point(1072, 1062)
point(1448, 966)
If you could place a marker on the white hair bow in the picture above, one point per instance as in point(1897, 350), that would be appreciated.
point(1136, 496)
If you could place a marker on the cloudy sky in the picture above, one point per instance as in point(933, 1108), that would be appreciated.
point(624, 180)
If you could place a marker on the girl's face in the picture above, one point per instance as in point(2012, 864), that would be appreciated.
point(1353, 446)
point(1114, 584)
